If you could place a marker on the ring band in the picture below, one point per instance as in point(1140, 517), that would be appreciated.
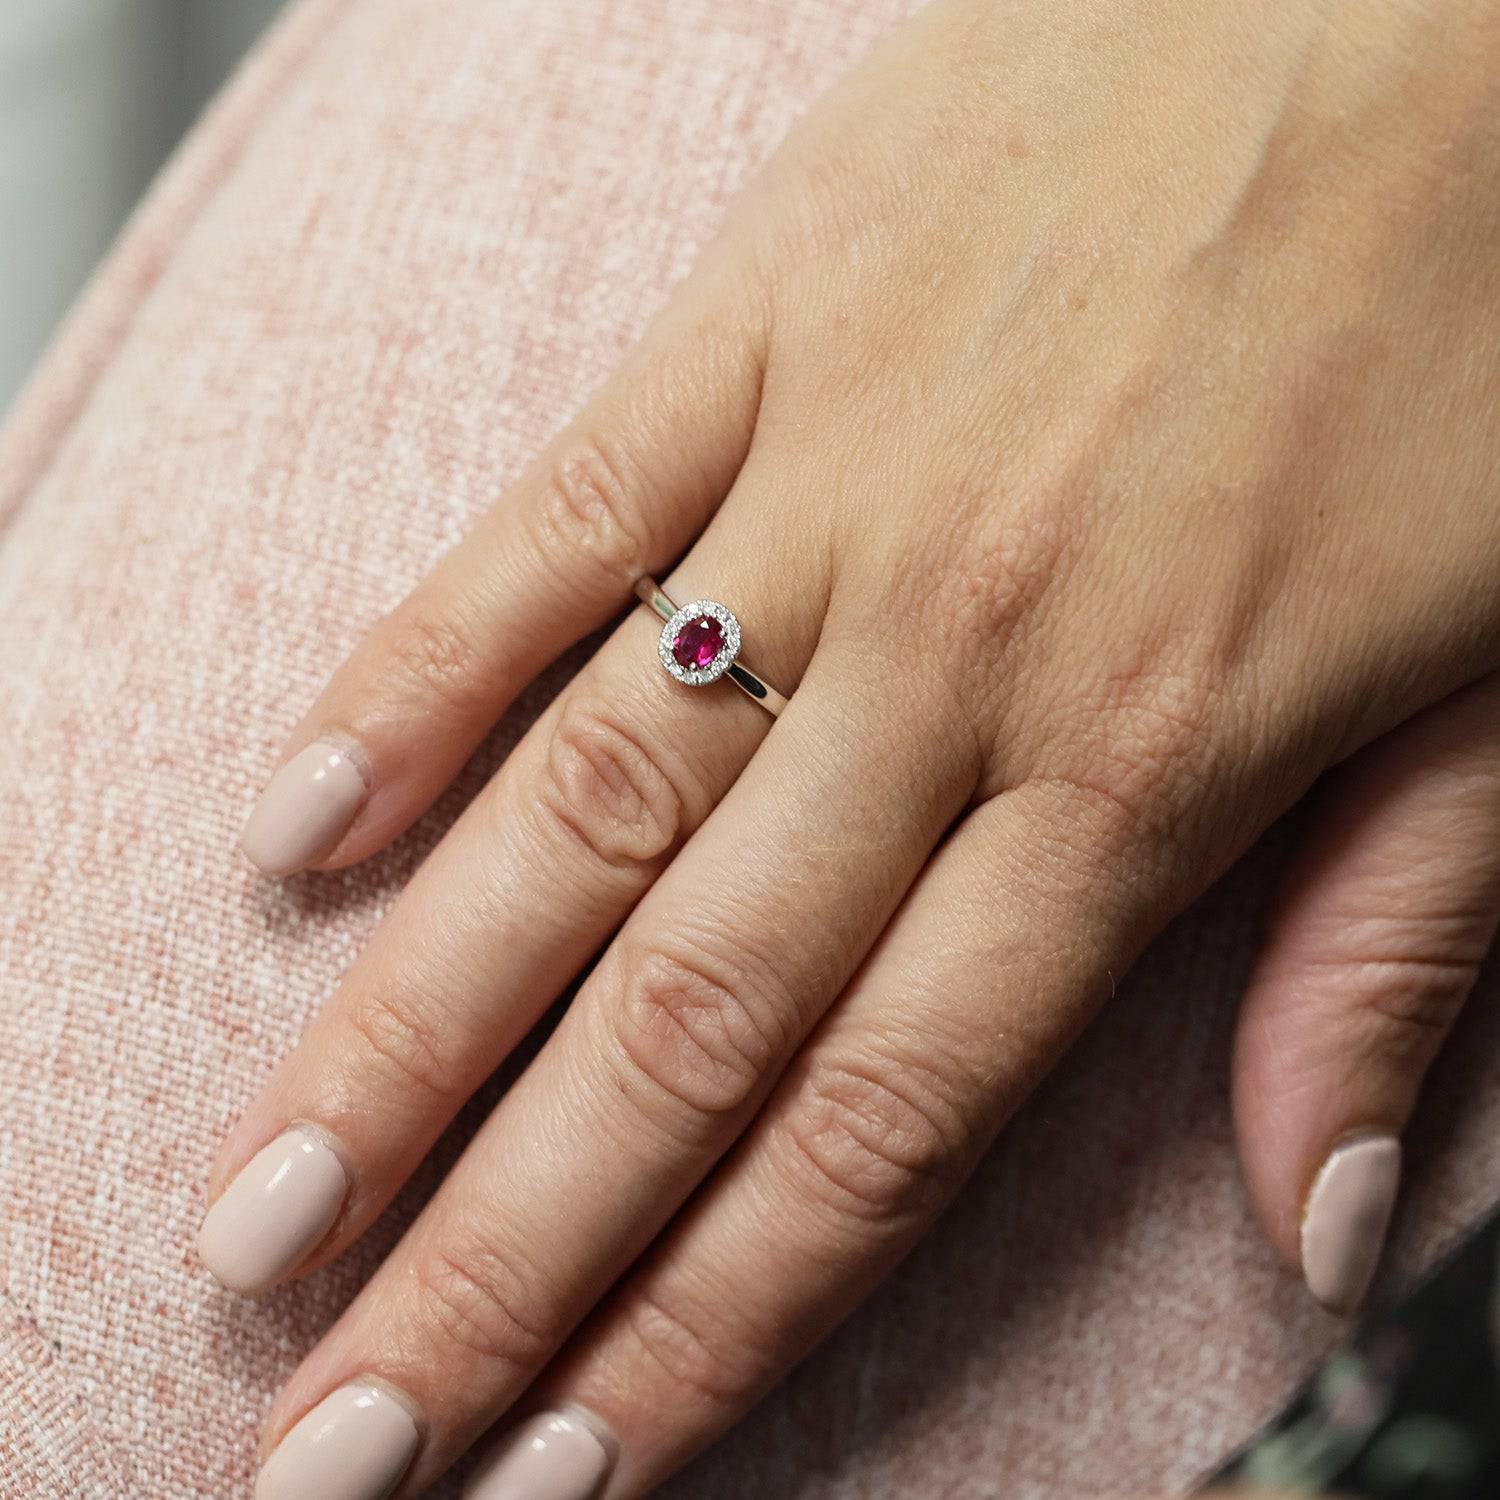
point(700, 643)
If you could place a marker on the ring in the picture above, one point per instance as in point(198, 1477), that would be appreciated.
point(700, 643)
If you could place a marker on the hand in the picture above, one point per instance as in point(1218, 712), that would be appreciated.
point(1089, 414)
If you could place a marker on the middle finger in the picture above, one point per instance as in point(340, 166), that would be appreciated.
point(535, 875)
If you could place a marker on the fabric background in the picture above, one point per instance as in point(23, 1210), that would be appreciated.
point(93, 94)
point(395, 256)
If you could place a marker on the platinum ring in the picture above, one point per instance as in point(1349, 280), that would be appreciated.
point(700, 643)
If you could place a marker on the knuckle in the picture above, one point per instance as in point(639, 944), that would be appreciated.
point(394, 1037)
point(870, 1147)
point(1006, 560)
point(589, 512)
point(696, 1030)
point(431, 653)
point(608, 790)
point(473, 1296)
point(705, 1355)
point(1141, 754)
point(1409, 1002)
point(996, 565)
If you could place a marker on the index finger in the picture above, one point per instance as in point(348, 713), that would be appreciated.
point(661, 1060)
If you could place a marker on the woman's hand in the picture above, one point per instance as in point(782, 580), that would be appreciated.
point(1090, 415)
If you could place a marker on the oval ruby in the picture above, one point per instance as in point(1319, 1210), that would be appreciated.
point(698, 643)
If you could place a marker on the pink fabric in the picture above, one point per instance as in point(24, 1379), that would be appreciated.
point(398, 253)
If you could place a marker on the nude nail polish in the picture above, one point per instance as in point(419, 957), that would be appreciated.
point(274, 1213)
point(355, 1444)
point(1344, 1224)
point(554, 1456)
point(304, 811)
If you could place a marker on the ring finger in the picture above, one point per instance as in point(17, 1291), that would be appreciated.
point(620, 492)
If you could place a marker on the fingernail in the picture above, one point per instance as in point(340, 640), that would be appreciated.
point(1347, 1215)
point(353, 1445)
point(280, 1206)
point(304, 811)
point(552, 1457)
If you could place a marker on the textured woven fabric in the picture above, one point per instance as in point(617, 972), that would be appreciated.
point(391, 261)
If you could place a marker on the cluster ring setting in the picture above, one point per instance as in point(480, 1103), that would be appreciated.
point(700, 643)
point(692, 650)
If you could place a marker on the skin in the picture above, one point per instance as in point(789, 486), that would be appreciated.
point(1090, 412)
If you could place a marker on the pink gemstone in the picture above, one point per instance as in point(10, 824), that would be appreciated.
point(698, 643)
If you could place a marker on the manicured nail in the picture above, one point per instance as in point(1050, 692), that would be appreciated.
point(1347, 1215)
point(279, 1207)
point(551, 1457)
point(353, 1445)
point(304, 811)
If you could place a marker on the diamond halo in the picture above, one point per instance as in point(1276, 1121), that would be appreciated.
point(688, 615)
